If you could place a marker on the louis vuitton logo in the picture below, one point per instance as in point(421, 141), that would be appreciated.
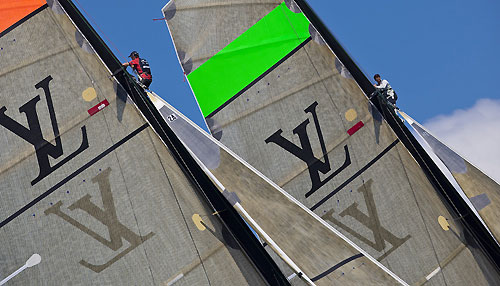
point(33, 134)
point(107, 216)
point(371, 221)
point(305, 152)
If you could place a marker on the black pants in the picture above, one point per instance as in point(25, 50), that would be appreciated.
point(145, 81)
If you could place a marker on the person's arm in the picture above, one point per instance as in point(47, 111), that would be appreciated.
point(383, 84)
point(126, 64)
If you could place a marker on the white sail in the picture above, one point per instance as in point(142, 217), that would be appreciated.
point(277, 89)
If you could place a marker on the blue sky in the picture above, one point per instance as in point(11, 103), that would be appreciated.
point(440, 56)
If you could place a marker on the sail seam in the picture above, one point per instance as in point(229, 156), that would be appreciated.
point(431, 242)
point(72, 175)
point(357, 174)
point(259, 78)
point(252, 248)
point(132, 209)
point(182, 214)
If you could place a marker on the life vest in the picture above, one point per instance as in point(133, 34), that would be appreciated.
point(144, 66)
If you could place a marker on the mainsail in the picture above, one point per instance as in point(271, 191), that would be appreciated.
point(321, 252)
point(86, 182)
point(288, 100)
point(483, 192)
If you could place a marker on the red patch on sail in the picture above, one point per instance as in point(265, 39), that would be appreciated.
point(355, 128)
point(98, 107)
point(13, 11)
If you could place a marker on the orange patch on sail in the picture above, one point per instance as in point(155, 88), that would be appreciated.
point(11, 11)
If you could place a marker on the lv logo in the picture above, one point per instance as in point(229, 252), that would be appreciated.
point(371, 221)
point(107, 216)
point(33, 134)
point(305, 152)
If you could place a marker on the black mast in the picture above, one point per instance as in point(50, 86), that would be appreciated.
point(230, 218)
point(448, 193)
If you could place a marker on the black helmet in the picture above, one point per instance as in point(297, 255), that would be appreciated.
point(134, 53)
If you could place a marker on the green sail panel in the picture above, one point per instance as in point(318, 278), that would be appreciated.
point(99, 197)
point(248, 57)
point(308, 127)
point(482, 190)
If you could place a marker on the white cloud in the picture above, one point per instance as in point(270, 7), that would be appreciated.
point(473, 133)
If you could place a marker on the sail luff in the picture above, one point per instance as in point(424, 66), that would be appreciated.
point(470, 179)
point(161, 104)
point(438, 179)
point(220, 206)
point(180, 64)
point(445, 188)
point(326, 142)
point(257, 227)
point(230, 218)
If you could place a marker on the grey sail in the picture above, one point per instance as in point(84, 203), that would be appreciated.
point(322, 254)
point(86, 182)
point(273, 92)
point(483, 191)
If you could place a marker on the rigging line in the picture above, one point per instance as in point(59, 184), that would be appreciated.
point(72, 175)
point(182, 212)
point(100, 30)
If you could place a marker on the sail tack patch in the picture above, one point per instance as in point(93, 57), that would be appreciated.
point(351, 114)
point(89, 94)
point(249, 56)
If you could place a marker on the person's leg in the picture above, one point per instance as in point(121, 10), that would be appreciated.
point(146, 82)
point(392, 102)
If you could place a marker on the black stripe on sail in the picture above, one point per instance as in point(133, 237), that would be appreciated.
point(448, 193)
point(361, 171)
point(24, 19)
point(72, 175)
point(259, 78)
point(336, 266)
point(227, 214)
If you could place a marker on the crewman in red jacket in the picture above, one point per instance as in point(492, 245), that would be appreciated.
point(141, 67)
